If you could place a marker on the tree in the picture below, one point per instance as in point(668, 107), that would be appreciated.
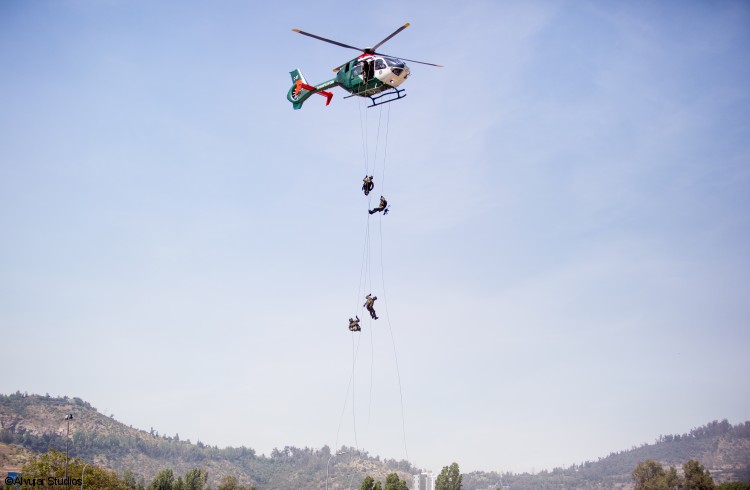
point(449, 478)
point(195, 479)
point(163, 481)
point(52, 465)
point(369, 483)
point(672, 479)
point(129, 478)
point(646, 473)
point(393, 482)
point(650, 475)
point(230, 483)
point(697, 477)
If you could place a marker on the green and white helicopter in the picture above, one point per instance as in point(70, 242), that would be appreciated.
point(367, 75)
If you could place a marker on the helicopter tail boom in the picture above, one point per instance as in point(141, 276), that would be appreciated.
point(301, 90)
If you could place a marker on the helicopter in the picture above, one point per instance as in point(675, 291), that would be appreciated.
point(371, 74)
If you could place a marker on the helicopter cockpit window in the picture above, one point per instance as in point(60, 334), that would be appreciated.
point(357, 70)
point(394, 62)
point(379, 64)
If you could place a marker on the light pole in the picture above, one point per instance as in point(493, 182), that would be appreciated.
point(329, 462)
point(68, 418)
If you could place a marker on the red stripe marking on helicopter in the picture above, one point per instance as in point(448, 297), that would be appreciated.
point(299, 85)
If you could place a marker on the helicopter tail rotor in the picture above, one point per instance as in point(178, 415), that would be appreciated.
point(301, 90)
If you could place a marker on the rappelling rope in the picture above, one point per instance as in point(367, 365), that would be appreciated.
point(355, 350)
point(346, 398)
point(350, 385)
point(367, 256)
point(393, 342)
point(365, 281)
point(372, 335)
point(385, 148)
point(363, 131)
point(382, 279)
point(365, 276)
point(354, 412)
point(363, 268)
point(377, 141)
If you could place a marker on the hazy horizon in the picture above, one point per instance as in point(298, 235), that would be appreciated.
point(154, 431)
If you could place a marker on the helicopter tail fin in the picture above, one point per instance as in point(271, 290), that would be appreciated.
point(301, 90)
point(297, 75)
point(295, 95)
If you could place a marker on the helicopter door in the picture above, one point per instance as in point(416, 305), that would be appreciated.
point(379, 66)
point(357, 79)
point(369, 70)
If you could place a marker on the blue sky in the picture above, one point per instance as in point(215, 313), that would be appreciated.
point(566, 261)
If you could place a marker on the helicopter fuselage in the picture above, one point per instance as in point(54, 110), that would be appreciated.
point(363, 76)
point(368, 74)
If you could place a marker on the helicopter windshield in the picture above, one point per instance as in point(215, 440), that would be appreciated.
point(393, 62)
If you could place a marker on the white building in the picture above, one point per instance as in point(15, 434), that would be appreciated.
point(424, 481)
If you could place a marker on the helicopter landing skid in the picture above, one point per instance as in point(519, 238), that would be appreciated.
point(392, 95)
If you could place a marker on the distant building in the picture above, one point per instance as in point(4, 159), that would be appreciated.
point(424, 481)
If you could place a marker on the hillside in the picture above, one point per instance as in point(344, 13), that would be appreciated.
point(722, 448)
point(12, 457)
point(32, 423)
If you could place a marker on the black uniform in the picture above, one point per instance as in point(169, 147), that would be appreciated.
point(368, 184)
point(354, 325)
point(370, 305)
point(368, 71)
point(383, 205)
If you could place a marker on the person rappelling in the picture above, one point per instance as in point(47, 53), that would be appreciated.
point(368, 184)
point(382, 207)
point(354, 325)
point(370, 305)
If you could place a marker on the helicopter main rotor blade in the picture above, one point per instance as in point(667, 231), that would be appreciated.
point(327, 40)
point(386, 39)
point(406, 59)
